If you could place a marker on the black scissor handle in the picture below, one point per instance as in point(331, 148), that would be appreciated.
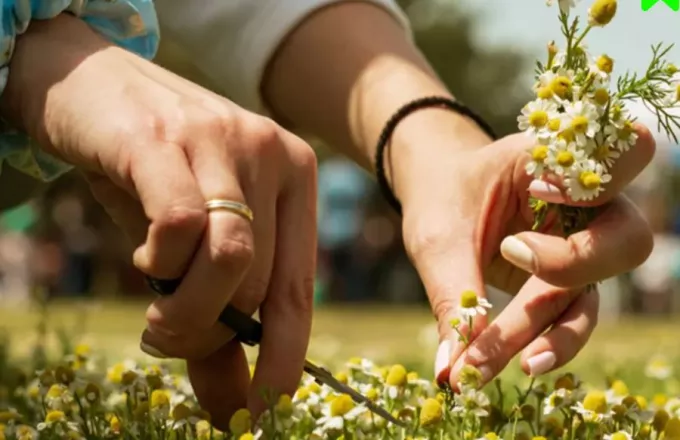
point(248, 330)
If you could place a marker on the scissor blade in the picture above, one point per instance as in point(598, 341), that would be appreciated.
point(324, 376)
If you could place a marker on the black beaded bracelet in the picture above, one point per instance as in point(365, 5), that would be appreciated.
point(405, 110)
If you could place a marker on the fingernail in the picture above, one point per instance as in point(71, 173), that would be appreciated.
point(486, 371)
point(546, 191)
point(518, 253)
point(152, 351)
point(442, 361)
point(541, 363)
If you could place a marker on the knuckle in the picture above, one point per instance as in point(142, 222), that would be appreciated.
point(551, 304)
point(181, 217)
point(299, 296)
point(250, 295)
point(443, 307)
point(232, 251)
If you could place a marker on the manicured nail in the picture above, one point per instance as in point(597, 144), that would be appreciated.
point(541, 363)
point(518, 253)
point(546, 191)
point(152, 351)
point(442, 362)
point(486, 371)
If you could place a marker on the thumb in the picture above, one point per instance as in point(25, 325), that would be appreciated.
point(444, 252)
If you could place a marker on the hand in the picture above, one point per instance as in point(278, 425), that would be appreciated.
point(154, 148)
point(467, 222)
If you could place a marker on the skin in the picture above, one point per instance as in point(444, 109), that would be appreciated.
point(168, 145)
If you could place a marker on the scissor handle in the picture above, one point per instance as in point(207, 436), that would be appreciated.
point(248, 330)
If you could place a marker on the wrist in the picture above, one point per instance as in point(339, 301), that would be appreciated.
point(42, 71)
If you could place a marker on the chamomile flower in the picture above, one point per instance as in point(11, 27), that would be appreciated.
point(565, 5)
point(558, 399)
point(536, 115)
point(472, 305)
point(594, 407)
point(618, 435)
point(602, 67)
point(586, 180)
point(341, 410)
point(562, 156)
point(658, 368)
point(617, 392)
point(557, 85)
point(471, 402)
point(621, 134)
point(604, 153)
point(536, 166)
point(582, 120)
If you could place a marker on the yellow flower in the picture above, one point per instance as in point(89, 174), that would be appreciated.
point(590, 180)
point(659, 400)
point(181, 412)
point(491, 436)
point(240, 422)
point(645, 431)
point(544, 93)
point(619, 387)
point(539, 153)
point(341, 405)
point(247, 436)
point(55, 416)
point(661, 418)
point(342, 377)
point(372, 394)
point(561, 86)
point(595, 401)
point(602, 12)
point(619, 436)
point(605, 63)
point(397, 376)
point(9, 416)
point(284, 407)
point(159, 399)
point(114, 424)
point(431, 413)
point(601, 96)
point(554, 124)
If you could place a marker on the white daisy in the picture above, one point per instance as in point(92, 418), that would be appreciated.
point(536, 115)
point(618, 435)
point(555, 84)
point(558, 399)
point(585, 180)
point(604, 153)
point(581, 118)
point(536, 166)
point(565, 5)
point(562, 156)
point(621, 134)
point(658, 368)
point(472, 305)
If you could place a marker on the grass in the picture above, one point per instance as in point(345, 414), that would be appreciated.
point(384, 334)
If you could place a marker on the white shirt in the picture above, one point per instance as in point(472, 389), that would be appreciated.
point(225, 45)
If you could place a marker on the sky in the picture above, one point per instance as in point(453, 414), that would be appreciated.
point(627, 38)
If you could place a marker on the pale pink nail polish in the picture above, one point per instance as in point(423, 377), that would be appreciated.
point(546, 191)
point(541, 363)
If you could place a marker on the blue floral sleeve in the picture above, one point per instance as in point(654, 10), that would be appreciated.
point(131, 24)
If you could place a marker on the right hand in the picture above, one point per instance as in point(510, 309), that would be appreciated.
point(155, 148)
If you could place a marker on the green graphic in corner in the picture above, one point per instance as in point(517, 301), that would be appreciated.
point(647, 4)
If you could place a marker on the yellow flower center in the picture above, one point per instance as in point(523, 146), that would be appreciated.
point(619, 436)
point(677, 92)
point(284, 407)
point(561, 86)
point(56, 391)
point(240, 422)
point(601, 96)
point(595, 401)
point(470, 375)
point(620, 388)
point(128, 378)
point(642, 402)
point(590, 180)
point(82, 350)
point(431, 413)
point(617, 112)
point(159, 399)
point(565, 159)
point(538, 118)
point(247, 436)
point(181, 412)
point(567, 135)
point(554, 124)
point(544, 93)
point(54, 417)
point(372, 394)
point(660, 420)
point(397, 376)
point(605, 64)
point(469, 299)
point(302, 393)
point(114, 424)
point(671, 69)
point(455, 322)
point(342, 377)
point(314, 388)
point(601, 152)
point(579, 124)
point(602, 12)
point(625, 132)
point(491, 436)
point(341, 405)
point(538, 154)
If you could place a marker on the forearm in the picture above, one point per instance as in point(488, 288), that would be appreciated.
point(343, 86)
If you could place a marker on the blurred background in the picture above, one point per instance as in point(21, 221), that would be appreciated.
point(61, 248)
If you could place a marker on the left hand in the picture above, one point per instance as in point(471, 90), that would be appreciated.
point(467, 223)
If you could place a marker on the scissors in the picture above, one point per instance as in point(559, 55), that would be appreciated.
point(249, 331)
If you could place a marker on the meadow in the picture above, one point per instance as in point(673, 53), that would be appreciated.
point(95, 383)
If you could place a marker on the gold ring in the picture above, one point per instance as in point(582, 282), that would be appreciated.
point(231, 206)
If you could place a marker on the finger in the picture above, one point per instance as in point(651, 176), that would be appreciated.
point(126, 212)
point(626, 168)
point(568, 335)
point(224, 256)
point(442, 248)
point(173, 203)
point(530, 313)
point(616, 241)
point(221, 382)
point(287, 311)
